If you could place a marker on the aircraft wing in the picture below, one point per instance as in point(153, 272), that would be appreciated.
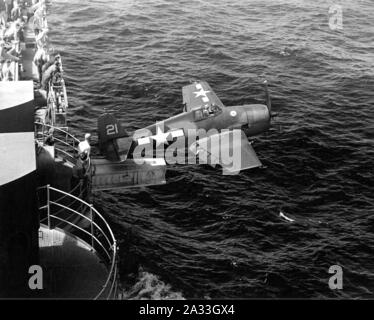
point(230, 149)
point(199, 94)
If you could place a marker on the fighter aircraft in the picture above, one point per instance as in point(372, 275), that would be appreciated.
point(203, 110)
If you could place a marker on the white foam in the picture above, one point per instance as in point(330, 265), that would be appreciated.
point(150, 287)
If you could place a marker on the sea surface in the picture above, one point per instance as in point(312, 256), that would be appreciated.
point(205, 235)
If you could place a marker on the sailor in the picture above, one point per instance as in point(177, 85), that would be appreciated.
point(213, 108)
point(2, 32)
point(3, 19)
point(57, 77)
point(8, 8)
point(18, 30)
point(59, 105)
point(16, 11)
point(49, 73)
point(35, 5)
point(5, 55)
point(3, 14)
point(14, 32)
point(84, 148)
point(2, 6)
point(41, 38)
point(40, 59)
point(39, 15)
point(205, 112)
point(50, 141)
point(6, 70)
point(50, 61)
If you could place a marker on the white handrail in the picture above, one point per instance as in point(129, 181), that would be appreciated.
point(67, 134)
point(60, 143)
point(84, 217)
point(110, 249)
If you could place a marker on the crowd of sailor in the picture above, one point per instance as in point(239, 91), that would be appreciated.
point(49, 87)
point(14, 14)
point(11, 23)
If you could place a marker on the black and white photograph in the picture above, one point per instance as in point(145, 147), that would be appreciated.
point(186, 150)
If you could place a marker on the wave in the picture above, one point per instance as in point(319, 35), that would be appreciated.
point(150, 287)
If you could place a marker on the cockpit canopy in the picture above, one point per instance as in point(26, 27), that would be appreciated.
point(206, 111)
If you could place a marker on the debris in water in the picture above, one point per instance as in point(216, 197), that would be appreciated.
point(282, 215)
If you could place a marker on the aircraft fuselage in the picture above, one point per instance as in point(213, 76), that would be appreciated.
point(252, 119)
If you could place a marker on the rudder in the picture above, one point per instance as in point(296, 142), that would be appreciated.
point(109, 131)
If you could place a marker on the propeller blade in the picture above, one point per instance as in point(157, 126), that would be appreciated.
point(268, 100)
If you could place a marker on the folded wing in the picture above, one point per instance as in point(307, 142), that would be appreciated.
point(199, 94)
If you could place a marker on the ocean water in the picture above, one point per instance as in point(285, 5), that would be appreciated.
point(205, 235)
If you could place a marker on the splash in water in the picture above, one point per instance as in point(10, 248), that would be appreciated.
point(150, 287)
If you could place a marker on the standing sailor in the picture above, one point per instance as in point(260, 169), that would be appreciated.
point(4, 55)
point(8, 8)
point(41, 38)
point(84, 150)
point(3, 14)
point(39, 18)
point(49, 73)
point(84, 147)
point(16, 11)
point(40, 59)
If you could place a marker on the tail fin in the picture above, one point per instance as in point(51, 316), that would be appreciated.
point(114, 141)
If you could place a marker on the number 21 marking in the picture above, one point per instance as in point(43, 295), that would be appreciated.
point(111, 129)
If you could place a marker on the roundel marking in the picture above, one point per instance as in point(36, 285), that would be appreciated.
point(233, 113)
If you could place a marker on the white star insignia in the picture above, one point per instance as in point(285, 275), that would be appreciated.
point(160, 137)
point(201, 92)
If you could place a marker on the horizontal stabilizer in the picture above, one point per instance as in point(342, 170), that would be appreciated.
point(108, 175)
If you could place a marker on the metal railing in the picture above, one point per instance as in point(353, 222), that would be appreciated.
point(80, 190)
point(98, 234)
point(65, 144)
point(65, 147)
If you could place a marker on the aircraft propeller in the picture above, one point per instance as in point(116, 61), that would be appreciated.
point(273, 115)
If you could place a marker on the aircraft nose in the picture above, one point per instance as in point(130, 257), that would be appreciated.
point(257, 113)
